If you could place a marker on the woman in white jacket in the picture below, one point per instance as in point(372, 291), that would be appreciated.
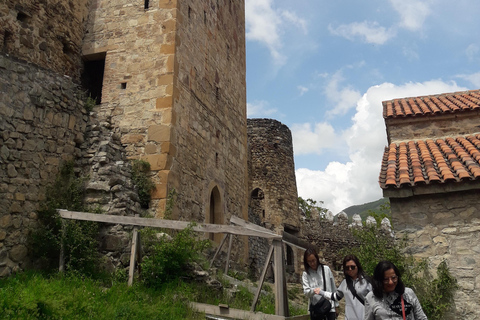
point(354, 287)
point(312, 281)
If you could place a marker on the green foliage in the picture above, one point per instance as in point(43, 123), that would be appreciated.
point(309, 207)
point(143, 182)
point(80, 242)
point(90, 103)
point(435, 293)
point(32, 296)
point(382, 212)
point(172, 197)
point(168, 259)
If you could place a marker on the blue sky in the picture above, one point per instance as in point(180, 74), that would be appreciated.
point(323, 69)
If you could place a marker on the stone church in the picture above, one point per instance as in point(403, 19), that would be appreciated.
point(431, 173)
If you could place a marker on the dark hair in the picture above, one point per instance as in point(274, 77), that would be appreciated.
point(307, 253)
point(379, 275)
point(361, 274)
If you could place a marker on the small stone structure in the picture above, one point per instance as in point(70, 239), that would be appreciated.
point(431, 174)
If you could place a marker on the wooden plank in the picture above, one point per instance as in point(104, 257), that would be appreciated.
point(240, 314)
point(61, 262)
point(230, 241)
point(262, 278)
point(218, 249)
point(251, 226)
point(280, 308)
point(161, 223)
point(297, 242)
point(133, 256)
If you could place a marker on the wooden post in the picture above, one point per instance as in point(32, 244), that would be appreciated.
point(218, 249)
point(61, 262)
point(279, 275)
point(133, 256)
point(262, 278)
point(230, 241)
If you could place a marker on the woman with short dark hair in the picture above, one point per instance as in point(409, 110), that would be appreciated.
point(390, 299)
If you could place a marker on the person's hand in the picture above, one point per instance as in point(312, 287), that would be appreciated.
point(316, 290)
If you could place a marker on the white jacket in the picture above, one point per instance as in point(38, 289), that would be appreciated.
point(314, 279)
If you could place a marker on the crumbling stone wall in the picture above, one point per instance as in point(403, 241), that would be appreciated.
point(42, 123)
point(47, 33)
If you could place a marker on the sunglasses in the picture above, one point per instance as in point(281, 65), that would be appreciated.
point(350, 267)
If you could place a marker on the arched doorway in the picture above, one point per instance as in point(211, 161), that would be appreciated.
point(215, 213)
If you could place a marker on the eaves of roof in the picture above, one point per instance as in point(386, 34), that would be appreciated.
point(445, 103)
point(431, 161)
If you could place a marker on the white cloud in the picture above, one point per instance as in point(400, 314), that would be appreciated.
point(472, 51)
point(344, 98)
point(474, 78)
point(307, 140)
point(412, 12)
point(266, 25)
point(302, 90)
point(341, 185)
point(369, 32)
point(259, 109)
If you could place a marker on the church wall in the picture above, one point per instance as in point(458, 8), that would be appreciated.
point(445, 227)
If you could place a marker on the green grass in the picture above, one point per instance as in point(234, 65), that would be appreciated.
point(34, 296)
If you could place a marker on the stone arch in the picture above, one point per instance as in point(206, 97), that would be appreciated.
point(215, 213)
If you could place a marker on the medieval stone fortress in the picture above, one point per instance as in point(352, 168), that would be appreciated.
point(168, 80)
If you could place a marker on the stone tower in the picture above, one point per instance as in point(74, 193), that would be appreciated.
point(272, 186)
point(168, 76)
point(171, 74)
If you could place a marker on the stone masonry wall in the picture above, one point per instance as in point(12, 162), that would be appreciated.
point(47, 33)
point(437, 126)
point(42, 122)
point(272, 170)
point(446, 227)
point(272, 185)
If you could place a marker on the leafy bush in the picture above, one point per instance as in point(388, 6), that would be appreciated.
point(80, 244)
point(168, 259)
point(435, 293)
point(143, 182)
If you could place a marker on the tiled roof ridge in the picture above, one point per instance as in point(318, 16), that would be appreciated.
point(432, 104)
point(427, 161)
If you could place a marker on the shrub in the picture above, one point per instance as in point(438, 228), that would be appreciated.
point(143, 182)
point(435, 293)
point(168, 259)
point(80, 244)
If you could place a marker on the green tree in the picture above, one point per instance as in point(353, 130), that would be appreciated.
point(309, 207)
point(434, 292)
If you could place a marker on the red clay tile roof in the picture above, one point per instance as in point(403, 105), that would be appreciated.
point(430, 105)
point(431, 161)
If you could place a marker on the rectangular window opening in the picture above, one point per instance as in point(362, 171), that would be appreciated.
point(189, 12)
point(146, 4)
point(7, 41)
point(205, 17)
point(92, 76)
point(123, 85)
point(22, 17)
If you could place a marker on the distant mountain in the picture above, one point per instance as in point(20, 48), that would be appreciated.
point(362, 209)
